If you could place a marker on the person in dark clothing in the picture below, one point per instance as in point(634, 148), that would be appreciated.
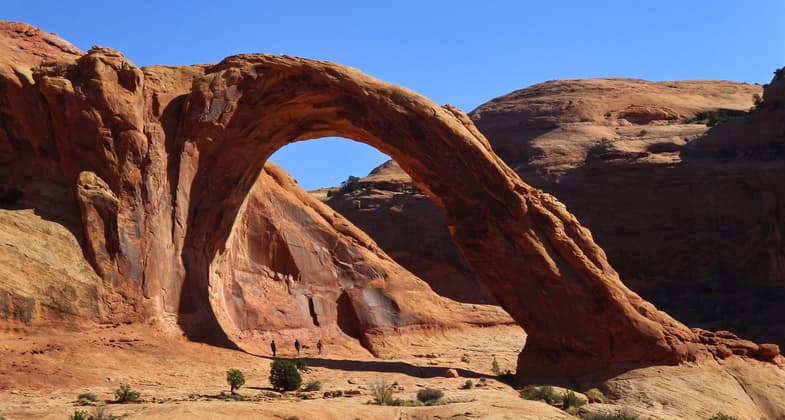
point(272, 347)
point(297, 346)
point(319, 345)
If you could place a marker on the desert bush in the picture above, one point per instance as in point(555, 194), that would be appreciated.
point(382, 392)
point(642, 133)
point(351, 184)
point(235, 379)
point(495, 367)
point(619, 415)
point(86, 398)
point(723, 416)
point(468, 384)
point(539, 393)
point(313, 386)
point(79, 415)
point(595, 394)
point(465, 359)
point(126, 394)
point(284, 375)
point(570, 400)
point(429, 394)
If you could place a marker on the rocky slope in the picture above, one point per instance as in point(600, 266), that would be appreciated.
point(158, 163)
point(689, 214)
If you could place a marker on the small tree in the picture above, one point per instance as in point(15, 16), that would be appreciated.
point(351, 184)
point(126, 394)
point(235, 379)
point(495, 367)
point(284, 375)
point(382, 392)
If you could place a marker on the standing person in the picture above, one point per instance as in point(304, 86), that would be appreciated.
point(297, 346)
point(272, 347)
point(319, 345)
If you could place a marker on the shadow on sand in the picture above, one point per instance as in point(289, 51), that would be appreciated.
point(382, 366)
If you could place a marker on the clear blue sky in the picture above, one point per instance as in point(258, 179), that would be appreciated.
point(457, 52)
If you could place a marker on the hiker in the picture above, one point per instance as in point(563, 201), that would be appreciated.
point(272, 347)
point(319, 346)
point(297, 346)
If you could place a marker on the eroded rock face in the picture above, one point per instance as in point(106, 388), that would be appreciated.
point(293, 268)
point(690, 215)
point(181, 148)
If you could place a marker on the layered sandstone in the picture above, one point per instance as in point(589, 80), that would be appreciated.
point(161, 161)
point(690, 215)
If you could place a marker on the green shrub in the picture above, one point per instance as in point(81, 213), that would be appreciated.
point(382, 392)
point(642, 133)
point(539, 393)
point(284, 375)
point(495, 367)
point(87, 398)
point(619, 415)
point(468, 384)
point(313, 386)
point(79, 415)
point(429, 394)
point(126, 394)
point(723, 416)
point(351, 184)
point(569, 400)
point(235, 379)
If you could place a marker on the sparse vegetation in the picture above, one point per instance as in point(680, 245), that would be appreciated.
point(495, 367)
point(351, 184)
point(465, 359)
point(313, 386)
point(87, 398)
point(126, 394)
point(539, 393)
point(642, 133)
point(595, 395)
point(284, 375)
point(468, 384)
point(570, 400)
point(235, 379)
point(427, 395)
point(382, 392)
point(723, 416)
point(619, 415)
point(79, 415)
point(712, 118)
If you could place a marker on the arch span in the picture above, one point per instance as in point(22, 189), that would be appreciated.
point(538, 261)
point(161, 159)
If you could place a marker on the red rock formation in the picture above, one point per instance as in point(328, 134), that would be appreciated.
point(656, 192)
point(410, 228)
point(179, 149)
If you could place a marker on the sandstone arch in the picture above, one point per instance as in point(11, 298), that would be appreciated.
point(162, 158)
point(578, 314)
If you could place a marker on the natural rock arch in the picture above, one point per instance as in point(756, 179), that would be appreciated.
point(162, 157)
point(534, 256)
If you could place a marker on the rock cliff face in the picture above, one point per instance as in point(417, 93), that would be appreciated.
point(690, 215)
point(161, 160)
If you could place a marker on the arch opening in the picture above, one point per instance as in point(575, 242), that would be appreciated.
point(535, 258)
